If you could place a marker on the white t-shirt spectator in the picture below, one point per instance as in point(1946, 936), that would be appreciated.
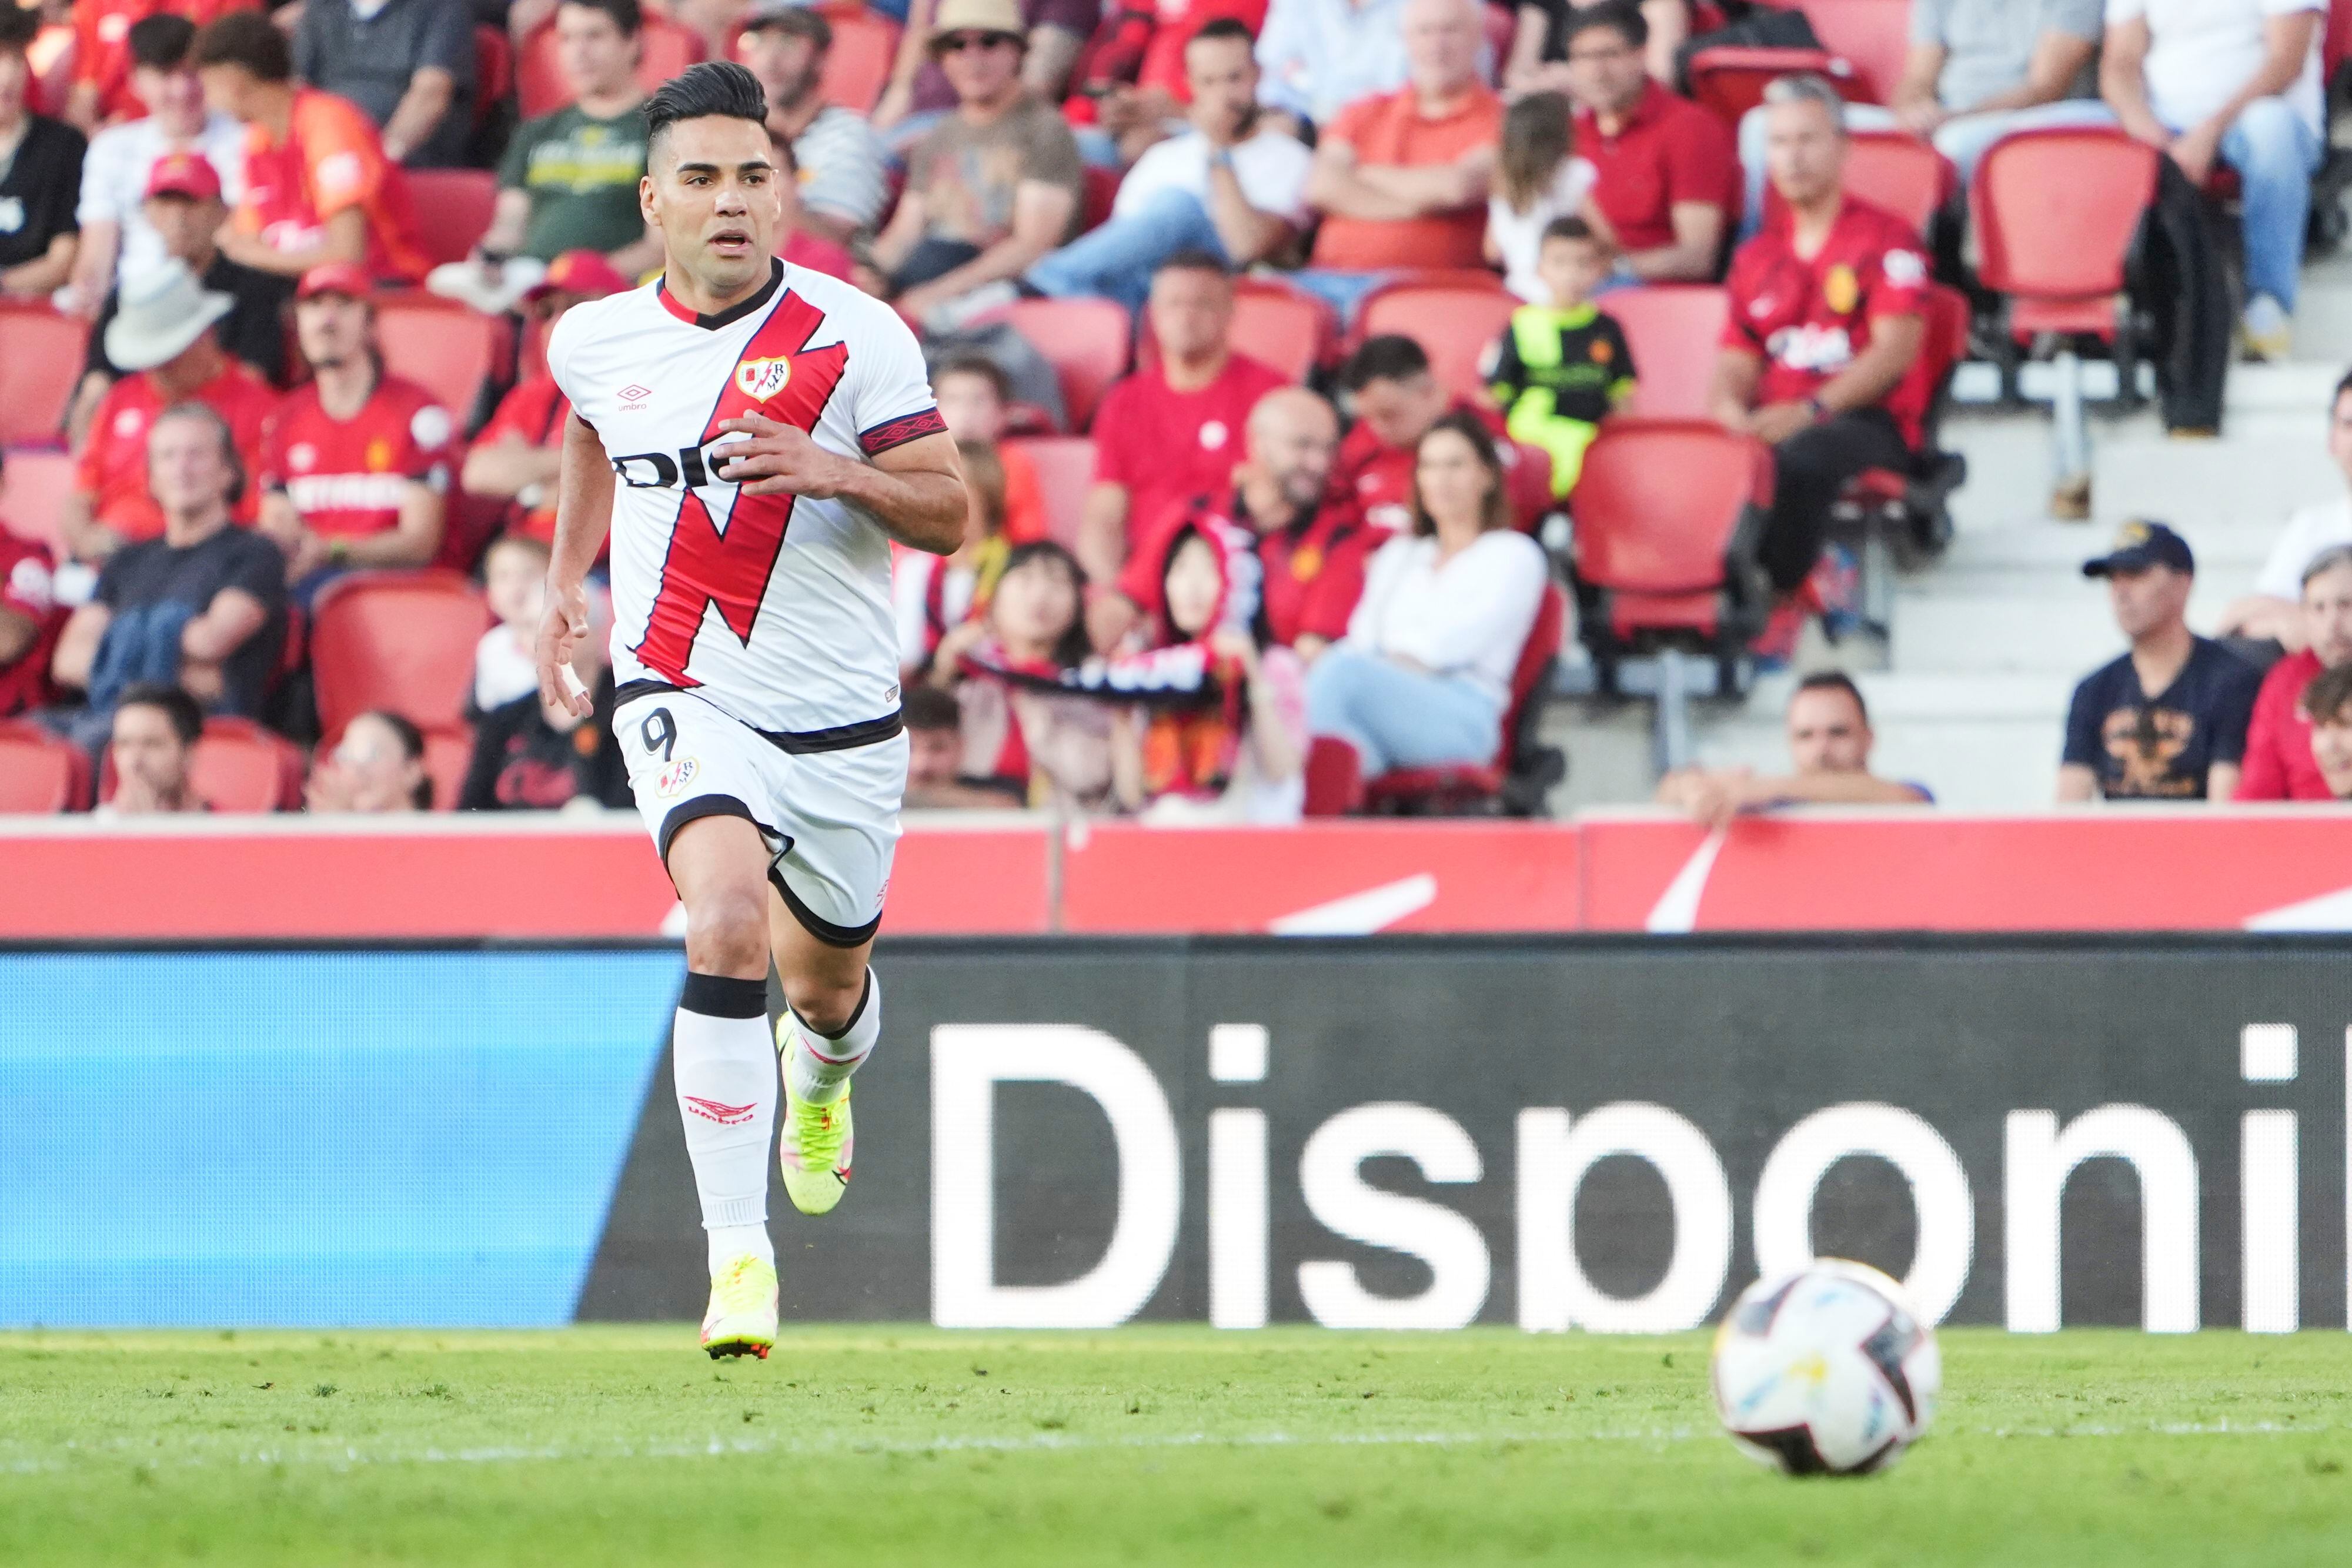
point(114, 180)
point(1270, 167)
point(2308, 531)
point(504, 669)
point(1469, 617)
point(2201, 51)
point(1518, 236)
point(1318, 56)
point(841, 164)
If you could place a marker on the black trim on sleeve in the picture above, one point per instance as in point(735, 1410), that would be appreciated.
point(898, 432)
point(818, 926)
point(724, 997)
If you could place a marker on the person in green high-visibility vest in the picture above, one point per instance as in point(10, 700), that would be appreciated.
point(1560, 369)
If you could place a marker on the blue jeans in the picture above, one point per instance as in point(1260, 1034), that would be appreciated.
point(1117, 260)
point(1396, 717)
point(2274, 153)
point(1343, 291)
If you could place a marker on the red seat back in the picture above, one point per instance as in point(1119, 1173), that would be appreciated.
point(33, 494)
point(1066, 470)
point(1086, 340)
point(1536, 656)
point(444, 346)
point(1100, 191)
point(402, 641)
point(447, 757)
point(1454, 317)
point(1659, 500)
point(666, 48)
point(1873, 35)
point(38, 772)
point(1673, 331)
point(1731, 81)
point(453, 207)
point(494, 65)
point(41, 354)
point(2055, 211)
point(864, 45)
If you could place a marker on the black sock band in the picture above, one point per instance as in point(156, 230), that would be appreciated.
point(724, 997)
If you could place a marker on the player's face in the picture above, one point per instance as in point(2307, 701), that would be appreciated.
point(1400, 413)
point(149, 763)
point(970, 407)
point(1192, 312)
point(332, 329)
point(2327, 615)
point(713, 193)
point(591, 51)
point(1826, 734)
point(2148, 600)
point(1572, 270)
point(1804, 151)
point(382, 775)
point(1193, 587)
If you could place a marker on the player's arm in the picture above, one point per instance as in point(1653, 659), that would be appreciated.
point(914, 490)
point(584, 514)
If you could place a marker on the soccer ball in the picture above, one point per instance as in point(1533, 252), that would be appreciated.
point(1826, 1371)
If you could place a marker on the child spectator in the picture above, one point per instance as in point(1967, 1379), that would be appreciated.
point(1537, 178)
point(931, 593)
point(377, 768)
point(2327, 703)
point(1007, 666)
point(530, 756)
point(514, 578)
point(1563, 366)
point(152, 746)
point(976, 401)
point(935, 754)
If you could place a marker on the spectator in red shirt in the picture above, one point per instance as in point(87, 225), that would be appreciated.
point(1173, 429)
point(1310, 554)
point(1401, 177)
point(1666, 176)
point(517, 454)
point(29, 621)
point(2327, 707)
point(162, 339)
point(1396, 398)
point(2279, 764)
point(355, 465)
point(1825, 325)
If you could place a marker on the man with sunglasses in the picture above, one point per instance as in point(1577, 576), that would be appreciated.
point(993, 188)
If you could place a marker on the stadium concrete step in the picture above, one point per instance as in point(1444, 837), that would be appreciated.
point(2064, 629)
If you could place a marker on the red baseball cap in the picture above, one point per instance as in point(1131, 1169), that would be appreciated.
point(582, 272)
point(335, 278)
point(189, 175)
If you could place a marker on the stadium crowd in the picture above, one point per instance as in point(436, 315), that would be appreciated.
point(1376, 266)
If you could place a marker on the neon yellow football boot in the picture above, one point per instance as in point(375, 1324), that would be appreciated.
point(814, 1146)
point(742, 1316)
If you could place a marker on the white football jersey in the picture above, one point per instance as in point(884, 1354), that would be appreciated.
point(775, 607)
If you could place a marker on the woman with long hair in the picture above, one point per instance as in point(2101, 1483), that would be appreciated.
point(1537, 178)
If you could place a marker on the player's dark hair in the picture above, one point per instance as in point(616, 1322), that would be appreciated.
point(1070, 649)
point(711, 87)
point(1390, 357)
point(161, 42)
point(1191, 260)
point(1495, 507)
point(412, 750)
point(19, 28)
point(1232, 29)
point(1834, 681)
point(248, 39)
point(2329, 695)
point(1568, 229)
point(1624, 15)
point(188, 718)
point(626, 14)
point(979, 365)
point(930, 707)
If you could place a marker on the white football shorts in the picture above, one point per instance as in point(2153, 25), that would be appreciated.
point(830, 814)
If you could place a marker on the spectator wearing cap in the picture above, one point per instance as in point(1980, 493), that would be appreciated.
point(843, 182)
point(1666, 177)
point(990, 188)
point(1052, 33)
point(2274, 608)
point(1318, 56)
point(1171, 430)
point(517, 456)
point(1231, 185)
point(183, 209)
point(407, 64)
point(40, 174)
point(1826, 322)
point(354, 464)
point(1395, 397)
point(201, 606)
point(2166, 721)
point(31, 618)
point(2279, 764)
point(1402, 178)
point(164, 339)
point(117, 173)
point(569, 179)
point(2327, 706)
point(2236, 82)
point(152, 746)
point(1830, 742)
point(317, 185)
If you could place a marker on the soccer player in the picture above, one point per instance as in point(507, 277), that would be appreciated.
point(754, 436)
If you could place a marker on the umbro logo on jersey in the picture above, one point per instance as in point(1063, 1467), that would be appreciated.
point(763, 379)
point(634, 396)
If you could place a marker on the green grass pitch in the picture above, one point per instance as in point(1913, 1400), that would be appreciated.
point(859, 1447)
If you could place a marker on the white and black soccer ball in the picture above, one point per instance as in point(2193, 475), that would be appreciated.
point(1826, 1371)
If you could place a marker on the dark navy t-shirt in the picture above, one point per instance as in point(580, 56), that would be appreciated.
point(2158, 749)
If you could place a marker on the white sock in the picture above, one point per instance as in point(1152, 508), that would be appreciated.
point(821, 1068)
point(725, 1065)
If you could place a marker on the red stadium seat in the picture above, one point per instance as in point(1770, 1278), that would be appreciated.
point(41, 354)
point(52, 57)
point(453, 210)
point(1100, 192)
point(446, 347)
point(1873, 35)
point(238, 767)
point(1086, 340)
point(1731, 81)
point(38, 772)
point(447, 757)
point(666, 48)
point(1911, 505)
point(1066, 471)
point(33, 490)
point(1274, 324)
point(864, 47)
point(494, 65)
point(1453, 316)
point(1895, 170)
point(397, 639)
point(1456, 790)
point(1672, 330)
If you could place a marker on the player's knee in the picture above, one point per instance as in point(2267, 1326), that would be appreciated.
point(727, 934)
point(823, 1005)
